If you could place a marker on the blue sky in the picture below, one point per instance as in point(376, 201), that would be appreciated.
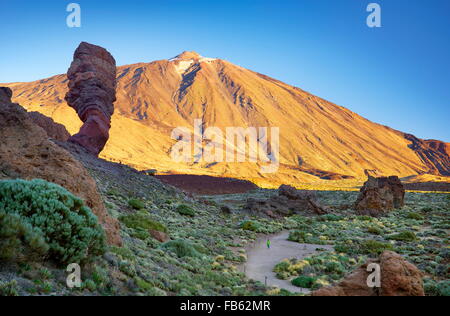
point(397, 75)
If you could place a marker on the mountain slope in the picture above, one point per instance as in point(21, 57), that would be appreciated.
point(318, 139)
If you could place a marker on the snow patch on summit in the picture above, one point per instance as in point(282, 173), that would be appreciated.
point(183, 64)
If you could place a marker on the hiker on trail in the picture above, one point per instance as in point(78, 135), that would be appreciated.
point(268, 243)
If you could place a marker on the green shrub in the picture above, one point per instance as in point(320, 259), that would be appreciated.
point(374, 247)
point(403, 236)
point(374, 230)
point(19, 239)
point(297, 236)
point(123, 252)
point(250, 225)
point(330, 218)
point(428, 209)
point(281, 267)
point(185, 210)
point(136, 204)
point(44, 211)
point(334, 267)
point(143, 286)
point(182, 248)
point(9, 288)
point(283, 275)
point(433, 288)
point(415, 216)
point(364, 218)
point(142, 221)
point(367, 247)
point(304, 281)
point(89, 285)
point(444, 288)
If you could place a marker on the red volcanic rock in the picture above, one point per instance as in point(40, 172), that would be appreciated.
point(92, 92)
point(27, 153)
point(398, 277)
point(434, 153)
point(380, 195)
point(54, 130)
point(288, 201)
point(5, 94)
point(307, 199)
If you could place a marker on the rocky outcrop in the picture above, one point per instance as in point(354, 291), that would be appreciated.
point(380, 195)
point(92, 92)
point(433, 153)
point(54, 130)
point(398, 277)
point(5, 94)
point(288, 201)
point(27, 153)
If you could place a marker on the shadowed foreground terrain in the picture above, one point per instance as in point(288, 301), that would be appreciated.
point(208, 245)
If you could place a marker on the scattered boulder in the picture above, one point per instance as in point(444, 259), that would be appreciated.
point(226, 210)
point(54, 130)
point(288, 201)
point(380, 195)
point(398, 278)
point(27, 153)
point(5, 94)
point(306, 199)
point(159, 236)
point(92, 92)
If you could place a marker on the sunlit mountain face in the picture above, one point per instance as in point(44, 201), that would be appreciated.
point(319, 142)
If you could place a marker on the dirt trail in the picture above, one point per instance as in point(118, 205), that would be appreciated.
point(261, 260)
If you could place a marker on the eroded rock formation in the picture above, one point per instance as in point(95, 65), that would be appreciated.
point(54, 130)
point(27, 153)
point(380, 195)
point(433, 153)
point(288, 201)
point(92, 93)
point(398, 277)
point(5, 94)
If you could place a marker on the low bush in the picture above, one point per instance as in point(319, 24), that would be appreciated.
point(136, 204)
point(433, 288)
point(367, 247)
point(9, 288)
point(330, 218)
point(182, 248)
point(142, 221)
point(415, 216)
point(403, 236)
point(185, 210)
point(19, 239)
point(297, 236)
point(47, 218)
point(374, 247)
point(374, 230)
point(304, 281)
point(250, 225)
point(283, 266)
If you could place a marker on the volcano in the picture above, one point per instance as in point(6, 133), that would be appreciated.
point(320, 142)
